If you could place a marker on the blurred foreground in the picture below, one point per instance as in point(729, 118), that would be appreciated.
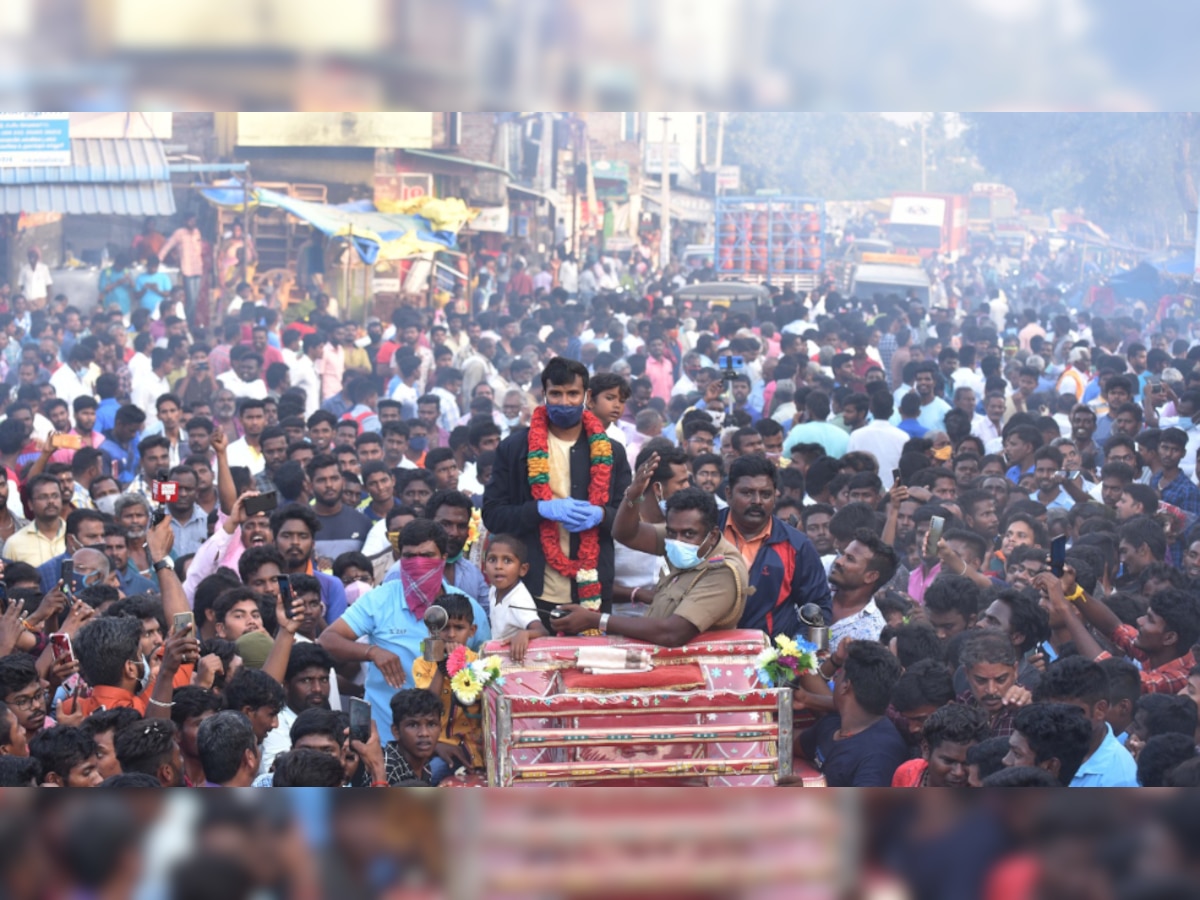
point(614, 843)
point(572, 54)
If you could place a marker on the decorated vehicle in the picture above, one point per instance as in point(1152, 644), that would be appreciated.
point(607, 710)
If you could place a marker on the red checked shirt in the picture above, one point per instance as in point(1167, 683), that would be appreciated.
point(1166, 679)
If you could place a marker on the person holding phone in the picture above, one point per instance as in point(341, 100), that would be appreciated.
point(134, 683)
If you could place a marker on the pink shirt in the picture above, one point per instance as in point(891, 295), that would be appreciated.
point(191, 251)
point(65, 456)
point(918, 582)
point(331, 367)
point(662, 377)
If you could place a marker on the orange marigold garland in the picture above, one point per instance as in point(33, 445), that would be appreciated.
point(583, 569)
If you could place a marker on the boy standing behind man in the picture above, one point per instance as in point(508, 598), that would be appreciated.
point(514, 615)
point(460, 735)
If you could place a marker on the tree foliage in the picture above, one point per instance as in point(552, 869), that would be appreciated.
point(1129, 172)
point(837, 156)
point(1126, 171)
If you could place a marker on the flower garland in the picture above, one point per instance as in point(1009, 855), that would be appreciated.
point(783, 664)
point(583, 569)
point(468, 679)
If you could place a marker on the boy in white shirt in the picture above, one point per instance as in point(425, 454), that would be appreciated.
point(514, 614)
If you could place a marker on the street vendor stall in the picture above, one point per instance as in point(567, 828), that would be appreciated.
point(425, 225)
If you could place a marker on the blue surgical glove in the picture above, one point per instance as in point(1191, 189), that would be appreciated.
point(558, 510)
point(589, 517)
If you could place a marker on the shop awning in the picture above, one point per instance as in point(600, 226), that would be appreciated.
point(552, 197)
point(460, 160)
point(424, 225)
point(685, 208)
point(109, 176)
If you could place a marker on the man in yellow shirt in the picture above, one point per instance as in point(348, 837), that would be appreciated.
point(46, 536)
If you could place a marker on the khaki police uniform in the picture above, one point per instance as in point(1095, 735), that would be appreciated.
point(711, 596)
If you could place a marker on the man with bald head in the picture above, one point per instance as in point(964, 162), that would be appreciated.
point(85, 528)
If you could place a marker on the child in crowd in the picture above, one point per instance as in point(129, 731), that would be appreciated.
point(416, 722)
point(607, 396)
point(513, 612)
point(460, 739)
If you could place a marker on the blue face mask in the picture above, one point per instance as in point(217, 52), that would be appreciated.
point(419, 443)
point(564, 416)
point(682, 555)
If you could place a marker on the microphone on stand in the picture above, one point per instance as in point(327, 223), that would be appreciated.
point(433, 648)
point(816, 632)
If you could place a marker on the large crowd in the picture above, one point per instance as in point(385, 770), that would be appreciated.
point(221, 540)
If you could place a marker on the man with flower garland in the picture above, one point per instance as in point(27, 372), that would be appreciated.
point(558, 484)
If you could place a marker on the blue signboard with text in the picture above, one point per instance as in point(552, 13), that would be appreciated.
point(35, 139)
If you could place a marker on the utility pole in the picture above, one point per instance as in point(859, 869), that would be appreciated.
point(664, 245)
point(719, 156)
point(922, 153)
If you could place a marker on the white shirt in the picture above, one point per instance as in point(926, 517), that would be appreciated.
point(377, 540)
point(140, 367)
point(41, 430)
point(231, 382)
point(468, 480)
point(68, 385)
point(35, 283)
point(568, 277)
point(684, 385)
point(303, 374)
point(963, 377)
point(241, 453)
point(278, 740)
point(1188, 463)
point(406, 395)
point(882, 440)
point(147, 388)
point(616, 433)
point(982, 428)
point(513, 613)
point(864, 625)
point(448, 412)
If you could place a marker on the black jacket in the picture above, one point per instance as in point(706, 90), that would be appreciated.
point(509, 507)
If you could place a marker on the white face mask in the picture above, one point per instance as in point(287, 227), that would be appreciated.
point(144, 677)
point(108, 505)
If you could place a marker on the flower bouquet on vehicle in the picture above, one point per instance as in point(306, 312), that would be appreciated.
point(782, 664)
point(469, 676)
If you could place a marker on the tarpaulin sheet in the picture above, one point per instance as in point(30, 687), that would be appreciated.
point(424, 226)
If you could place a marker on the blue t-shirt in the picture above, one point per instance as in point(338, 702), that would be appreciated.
point(159, 285)
point(120, 294)
point(867, 759)
point(125, 461)
point(384, 618)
